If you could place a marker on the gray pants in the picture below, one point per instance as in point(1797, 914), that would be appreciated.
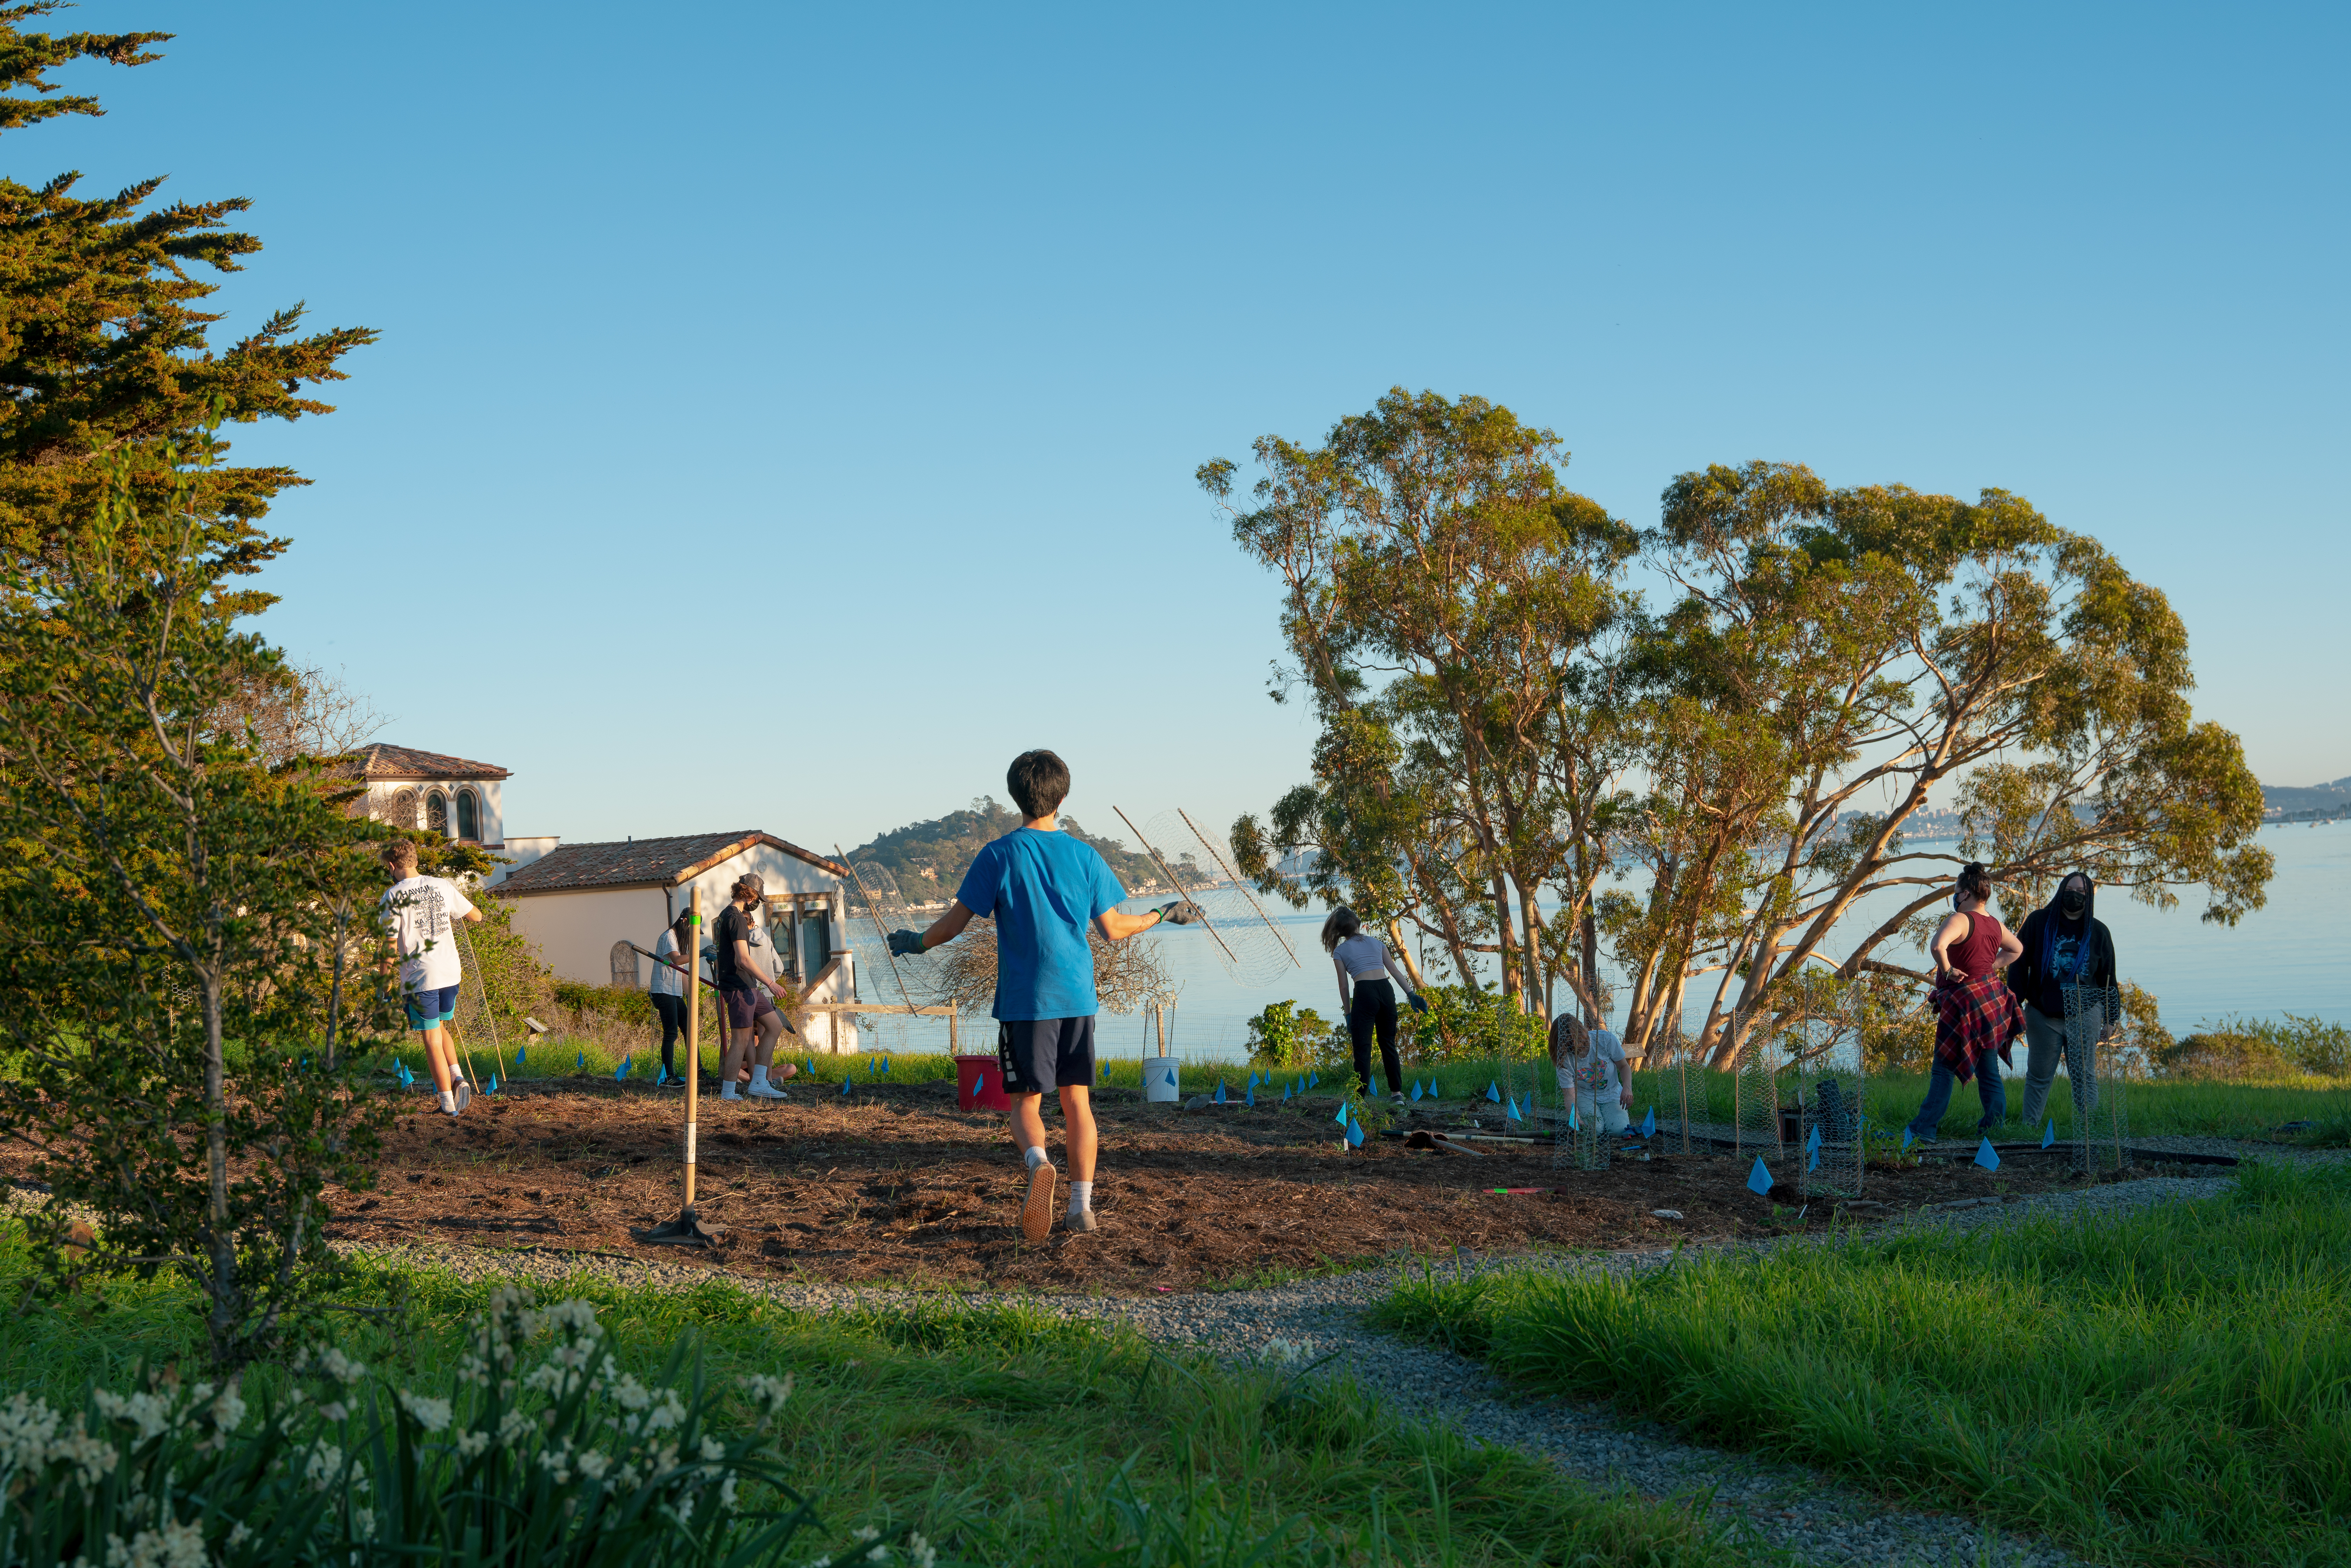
point(2044, 1047)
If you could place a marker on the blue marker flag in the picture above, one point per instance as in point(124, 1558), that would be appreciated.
point(518, 1056)
point(1906, 1138)
point(1987, 1156)
point(1252, 1096)
point(1812, 1144)
point(1570, 1115)
point(2049, 1132)
point(1494, 1091)
point(583, 1062)
point(1354, 1136)
point(1220, 1091)
point(1510, 1110)
point(845, 1082)
point(1759, 1180)
point(1312, 1078)
point(494, 1084)
point(1649, 1124)
point(1813, 1161)
point(1415, 1088)
point(1342, 1117)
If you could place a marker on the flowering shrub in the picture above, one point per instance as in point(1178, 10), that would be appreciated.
point(546, 1455)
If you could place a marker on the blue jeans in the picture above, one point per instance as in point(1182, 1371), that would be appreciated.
point(1989, 1089)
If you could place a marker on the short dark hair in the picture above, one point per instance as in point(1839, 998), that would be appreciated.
point(1976, 883)
point(1040, 782)
point(400, 854)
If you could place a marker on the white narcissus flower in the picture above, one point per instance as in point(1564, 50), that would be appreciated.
point(432, 1415)
point(473, 1445)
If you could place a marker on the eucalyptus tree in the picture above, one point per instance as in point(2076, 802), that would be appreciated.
point(1451, 609)
point(1858, 653)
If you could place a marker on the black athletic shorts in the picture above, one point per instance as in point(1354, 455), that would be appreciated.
point(1040, 1055)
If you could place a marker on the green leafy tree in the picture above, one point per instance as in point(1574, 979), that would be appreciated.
point(187, 932)
point(1860, 654)
point(1454, 613)
point(104, 352)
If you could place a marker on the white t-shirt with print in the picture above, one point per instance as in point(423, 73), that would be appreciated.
point(1600, 1072)
point(418, 912)
point(667, 982)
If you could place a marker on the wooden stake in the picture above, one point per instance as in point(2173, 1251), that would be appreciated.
point(692, 1040)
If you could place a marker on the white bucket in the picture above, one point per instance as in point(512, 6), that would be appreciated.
point(1159, 1078)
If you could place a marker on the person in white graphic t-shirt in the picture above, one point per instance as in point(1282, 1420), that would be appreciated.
point(418, 913)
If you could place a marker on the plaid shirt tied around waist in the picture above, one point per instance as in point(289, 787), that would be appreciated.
point(1974, 1017)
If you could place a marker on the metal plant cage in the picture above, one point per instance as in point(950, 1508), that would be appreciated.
point(1829, 1079)
point(2093, 1075)
point(1763, 1084)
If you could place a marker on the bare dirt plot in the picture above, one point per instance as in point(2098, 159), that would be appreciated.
point(895, 1184)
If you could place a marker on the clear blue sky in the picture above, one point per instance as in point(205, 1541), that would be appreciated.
point(785, 415)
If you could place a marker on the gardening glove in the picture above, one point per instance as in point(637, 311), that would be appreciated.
point(1418, 1006)
point(906, 944)
point(1180, 913)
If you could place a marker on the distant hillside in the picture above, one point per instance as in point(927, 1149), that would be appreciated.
point(2292, 801)
point(929, 858)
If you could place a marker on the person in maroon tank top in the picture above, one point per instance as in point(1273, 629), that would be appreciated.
point(1970, 946)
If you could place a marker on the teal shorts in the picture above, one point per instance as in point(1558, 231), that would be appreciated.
point(431, 1009)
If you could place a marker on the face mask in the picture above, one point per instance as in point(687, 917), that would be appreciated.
point(2071, 905)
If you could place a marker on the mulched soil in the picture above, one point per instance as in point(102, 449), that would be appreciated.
point(896, 1184)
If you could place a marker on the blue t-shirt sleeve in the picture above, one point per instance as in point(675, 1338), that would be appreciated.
point(981, 882)
point(1106, 893)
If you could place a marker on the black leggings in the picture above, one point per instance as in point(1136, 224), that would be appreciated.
point(1375, 1007)
point(673, 1021)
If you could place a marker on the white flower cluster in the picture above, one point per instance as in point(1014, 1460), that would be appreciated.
point(175, 1545)
point(1283, 1351)
point(918, 1552)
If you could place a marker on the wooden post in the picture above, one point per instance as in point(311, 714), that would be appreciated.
point(951, 1030)
point(692, 1039)
point(1159, 1015)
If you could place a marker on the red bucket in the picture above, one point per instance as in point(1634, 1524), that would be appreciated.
point(979, 1084)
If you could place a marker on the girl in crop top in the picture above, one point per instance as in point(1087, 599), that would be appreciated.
point(1365, 997)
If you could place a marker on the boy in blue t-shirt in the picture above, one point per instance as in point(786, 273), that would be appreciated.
point(1043, 889)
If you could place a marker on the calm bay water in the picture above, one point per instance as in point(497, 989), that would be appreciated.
point(2292, 957)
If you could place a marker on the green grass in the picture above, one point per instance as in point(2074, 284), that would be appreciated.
point(2154, 1107)
point(1010, 1436)
point(2171, 1387)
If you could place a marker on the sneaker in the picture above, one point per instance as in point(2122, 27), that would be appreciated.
point(1078, 1219)
point(1036, 1212)
point(463, 1092)
point(765, 1092)
point(667, 1079)
point(1396, 1097)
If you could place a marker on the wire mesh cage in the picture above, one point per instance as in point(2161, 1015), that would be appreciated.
point(2093, 1076)
point(1829, 1081)
point(1761, 1090)
point(1241, 931)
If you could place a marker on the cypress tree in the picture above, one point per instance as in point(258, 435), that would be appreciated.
point(104, 347)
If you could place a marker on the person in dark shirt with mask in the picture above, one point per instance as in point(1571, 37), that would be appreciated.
point(2064, 944)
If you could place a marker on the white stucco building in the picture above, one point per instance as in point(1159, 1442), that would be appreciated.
point(583, 904)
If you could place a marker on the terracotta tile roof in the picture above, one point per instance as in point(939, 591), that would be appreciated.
point(406, 762)
point(644, 862)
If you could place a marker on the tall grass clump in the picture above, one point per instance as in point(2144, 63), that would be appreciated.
point(2171, 1387)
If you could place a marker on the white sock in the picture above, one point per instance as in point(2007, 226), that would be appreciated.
point(1033, 1157)
point(759, 1077)
point(728, 1094)
point(1081, 1196)
point(448, 1101)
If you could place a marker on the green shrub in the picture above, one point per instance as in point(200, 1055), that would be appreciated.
point(1464, 1024)
point(2309, 1045)
point(624, 1003)
point(2227, 1056)
point(1289, 1037)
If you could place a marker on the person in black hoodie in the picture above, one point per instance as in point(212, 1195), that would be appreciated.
point(2064, 944)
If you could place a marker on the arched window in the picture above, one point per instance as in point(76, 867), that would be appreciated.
point(436, 811)
point(403, 808)
point(469, 816)
point(624, 965)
